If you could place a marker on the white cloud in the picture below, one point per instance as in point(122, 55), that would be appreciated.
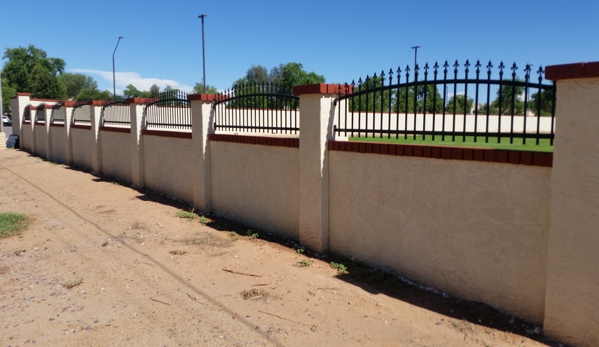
point(123, 79)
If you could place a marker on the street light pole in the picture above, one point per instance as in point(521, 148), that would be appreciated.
point(113, 73)
point(203, 51)
point(1, 106)
point(415, 48)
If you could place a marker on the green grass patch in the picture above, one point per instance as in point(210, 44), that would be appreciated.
point(470, 141)
point(185, 214)
point(11, 222)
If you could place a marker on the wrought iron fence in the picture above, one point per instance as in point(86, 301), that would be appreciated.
point(82, 113)
point(479, 104)
point(57, 114)
point(170, 110)
point(40, 113)
point(116, 112)
point(264, 108)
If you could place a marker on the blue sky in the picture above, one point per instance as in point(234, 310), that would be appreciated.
point(342, 40)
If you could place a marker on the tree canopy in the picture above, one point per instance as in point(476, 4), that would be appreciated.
point(285, 75)
point(31, 70)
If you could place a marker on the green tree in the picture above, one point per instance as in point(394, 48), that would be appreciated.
point(132, 92)
point(93, 94)
point(545, 99)
point(31, 70)
point(154, 92)
point(7, 93)
point(199, 89)
point(76, 82)
point(506, 94)
point(293, 74)
point(459, 104)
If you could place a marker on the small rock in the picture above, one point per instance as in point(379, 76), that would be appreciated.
point(51, 319)
point(88, 328)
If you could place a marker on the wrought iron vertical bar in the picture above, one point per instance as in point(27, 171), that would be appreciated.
point(389, 97)
point(552, 132)
point(444, 99)
point(476, 101)
point(435, 100)
point(359, 108)
point(382, 102)
point(513, 103)
point(526, 81)
point(500, 100)
point(455, 99)
point(489, 66)
point(465, 100)
point(366, 85)
point(415, 106)
point(407, 101)
point(425, 89)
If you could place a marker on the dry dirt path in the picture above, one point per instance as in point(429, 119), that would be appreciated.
point(153, 279)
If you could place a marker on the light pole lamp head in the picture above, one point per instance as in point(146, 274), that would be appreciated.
point(415, 47)
point(121, 37)
point(202, 16)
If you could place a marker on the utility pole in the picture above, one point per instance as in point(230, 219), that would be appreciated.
point(203, 51)
point(113, 73)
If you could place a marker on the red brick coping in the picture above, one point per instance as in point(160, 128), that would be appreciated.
point(58, 125)
point(321, 88)
point(80, 126)
point(570, 71)
point(116, 130)
point(255, 140)
point(455, 153)
point(166, 133)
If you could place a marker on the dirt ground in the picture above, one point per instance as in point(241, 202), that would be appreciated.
point(150, 278)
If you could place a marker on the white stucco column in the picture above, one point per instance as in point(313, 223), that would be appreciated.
point(17, 107)
point(572, 296)
point(202, 124)
point(316, 129)
point(47, 115)
point(95, 109)
point(68, 116)
point(137, 145)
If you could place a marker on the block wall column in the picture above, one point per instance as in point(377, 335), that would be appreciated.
point(316, 129)
point(137, 145)
point(572, 296)
point(68, 116)
point(96, 116)
point(17, 107)
point(202, 124)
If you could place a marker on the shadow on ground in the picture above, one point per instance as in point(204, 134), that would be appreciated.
point(372, 280)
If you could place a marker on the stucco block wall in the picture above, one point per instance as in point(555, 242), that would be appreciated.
point(168, 167)
point(256, 185)
point(26, 138)
point(116, 154)
point(58, 142)
point(475, 230)
point(40, 140)
point(82, 143)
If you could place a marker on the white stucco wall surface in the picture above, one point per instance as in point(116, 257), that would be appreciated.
point(26, 138)
point(40, 140)
point(168, 166)
point(116, 154)
point(256, 185)
point(572, 313)
point(475, 230)
point(59, 144)
point(82, 147)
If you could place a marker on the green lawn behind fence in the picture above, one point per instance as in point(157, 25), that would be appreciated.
point(494, 142)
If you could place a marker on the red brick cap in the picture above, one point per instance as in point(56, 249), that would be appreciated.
point(202, 97)
point(33, 108)
point(139, 100)
point(321, 88)
point(23, 94)
point(68, 103)
point(571, 71)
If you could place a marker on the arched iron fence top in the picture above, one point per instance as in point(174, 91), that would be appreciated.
point(79, 105)
point(255, 91)
point(56, 106)
point(453, 99)
point(113, 102)
point(445, 74)
point(175, 97)
point(169, 110)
